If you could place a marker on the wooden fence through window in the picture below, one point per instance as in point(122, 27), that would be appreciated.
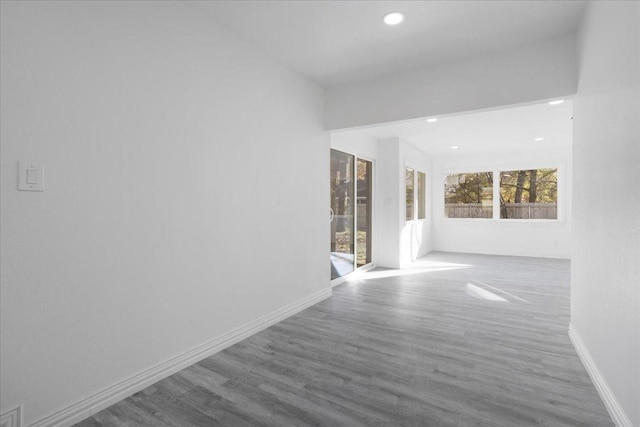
point(507, 210)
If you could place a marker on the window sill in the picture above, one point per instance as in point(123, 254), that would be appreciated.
point(416, 220)
point(508, 221)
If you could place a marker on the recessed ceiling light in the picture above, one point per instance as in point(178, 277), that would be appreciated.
point(432, 120)
point(539, 139)
point(454, 147)
point(393, 18)
point(556, 102)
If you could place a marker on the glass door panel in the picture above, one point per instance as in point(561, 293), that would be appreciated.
point(342, 215)
point(363, 206)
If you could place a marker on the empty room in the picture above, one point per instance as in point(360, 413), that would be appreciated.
point(319, 213)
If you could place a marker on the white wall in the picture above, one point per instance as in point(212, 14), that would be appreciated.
point(399, 242)
point(415, 236)
point(539, 238)
point(184, 172)
point(359, 144)
point(390, 193)
point(605, 288)
point(543, 70)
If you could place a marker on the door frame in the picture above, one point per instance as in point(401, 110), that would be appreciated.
point(371, 264)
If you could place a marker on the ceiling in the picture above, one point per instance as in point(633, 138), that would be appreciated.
point(338, 42)
point(503, 130)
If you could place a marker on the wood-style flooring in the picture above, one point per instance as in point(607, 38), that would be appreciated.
point(457, 340)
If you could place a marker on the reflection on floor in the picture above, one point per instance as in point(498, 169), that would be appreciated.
point(341, 264)
point(460, 340)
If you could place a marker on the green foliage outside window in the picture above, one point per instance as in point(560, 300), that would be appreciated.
point(529, 194)
point(409, 180)
point(469, 195)
point(524, 194)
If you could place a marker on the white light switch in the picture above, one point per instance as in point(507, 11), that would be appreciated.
point(30, 177)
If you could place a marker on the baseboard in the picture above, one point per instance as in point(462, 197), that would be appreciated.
point(614, 408)
point(11, 417)
point(534, 254)
point(107, 397)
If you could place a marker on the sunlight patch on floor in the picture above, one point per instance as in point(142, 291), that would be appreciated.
point(478, 292)
point(418, 267)
point(509, 294)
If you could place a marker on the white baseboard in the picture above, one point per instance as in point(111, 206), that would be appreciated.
point(107, 397)
point(11, 417)
point(614, 408)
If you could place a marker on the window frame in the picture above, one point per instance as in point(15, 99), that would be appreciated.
point(408, 168)
point(415, 210)
point(561, 196)
point(557, 195)
point(472, 172)
point(422, 193)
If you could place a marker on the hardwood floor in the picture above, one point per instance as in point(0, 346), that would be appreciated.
point(458, 340)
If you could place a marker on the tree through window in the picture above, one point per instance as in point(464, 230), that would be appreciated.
point(529, 194)
point(469, 195)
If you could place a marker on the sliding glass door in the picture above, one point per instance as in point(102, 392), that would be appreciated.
point(363, 212)
point(342, 219)
point(350, 212)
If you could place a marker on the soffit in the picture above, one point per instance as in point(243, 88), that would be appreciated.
point(339, 42)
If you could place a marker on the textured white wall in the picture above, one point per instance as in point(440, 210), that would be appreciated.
point(184, 173)
point(399, 242)
point(605, 284)
point(504, 237)
point(361, 145)
point(543, 70)
point(396, 242)
point(415, 236)
point(390, 193)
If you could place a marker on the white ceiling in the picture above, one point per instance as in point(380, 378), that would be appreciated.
point(504, 130)
point(338, 42)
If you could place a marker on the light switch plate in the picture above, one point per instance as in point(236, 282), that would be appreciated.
point(30, 176)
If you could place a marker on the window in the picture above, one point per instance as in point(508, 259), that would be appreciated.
point(529, 194)
point(468, 195)
point(409, 177)
point(416, 202)
point(523, 194)
point(421, 195)
point(364, 211)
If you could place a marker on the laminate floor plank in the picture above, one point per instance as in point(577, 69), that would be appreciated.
point(457, 340)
